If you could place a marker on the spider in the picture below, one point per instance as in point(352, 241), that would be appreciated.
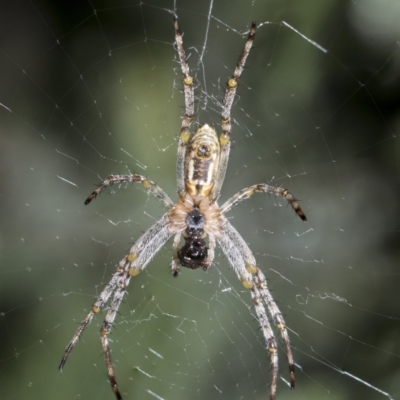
point(201, 166)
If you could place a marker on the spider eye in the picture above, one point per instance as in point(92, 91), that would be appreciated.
point(203, 151)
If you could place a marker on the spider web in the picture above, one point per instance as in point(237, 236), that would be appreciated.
point(93, 88)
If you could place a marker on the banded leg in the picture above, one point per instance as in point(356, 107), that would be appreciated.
point(244, 266)
point(184, 136)
point(96, 308)
point(211, 251)
point(263, 188)
point(152, 187)
point(110, 369)
point(230, 92)
point(135, 261)
point(270, 341)
point(258, 285)
point(265, 295)
point(138, 257)
point(107, 326)
point(175, 259)
point(234, 254)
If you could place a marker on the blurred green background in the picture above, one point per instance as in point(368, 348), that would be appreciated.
point(93, 88)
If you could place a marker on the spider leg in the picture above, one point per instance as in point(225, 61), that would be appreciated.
point(279, 321)
point(123, 281)
point(152, 187)
point(184, 136)
point(230, 93)
point(211, 251)
point(244, 264)
point(175, 259)
point(269, 336)
point(233, 250)
point(138, 257)
point(263, 188)
point(110, 370)
point(132, 264)
point(96, 308)
point(107, 326)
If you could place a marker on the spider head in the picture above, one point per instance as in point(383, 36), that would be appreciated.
point(193, 253)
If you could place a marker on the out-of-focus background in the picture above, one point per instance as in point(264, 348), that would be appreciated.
point(93, 88)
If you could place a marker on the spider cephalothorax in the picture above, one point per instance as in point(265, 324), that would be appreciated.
point(202, 160)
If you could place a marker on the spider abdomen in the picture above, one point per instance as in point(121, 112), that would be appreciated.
point(202, 161)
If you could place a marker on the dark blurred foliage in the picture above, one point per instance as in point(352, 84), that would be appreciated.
point(93, 88)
